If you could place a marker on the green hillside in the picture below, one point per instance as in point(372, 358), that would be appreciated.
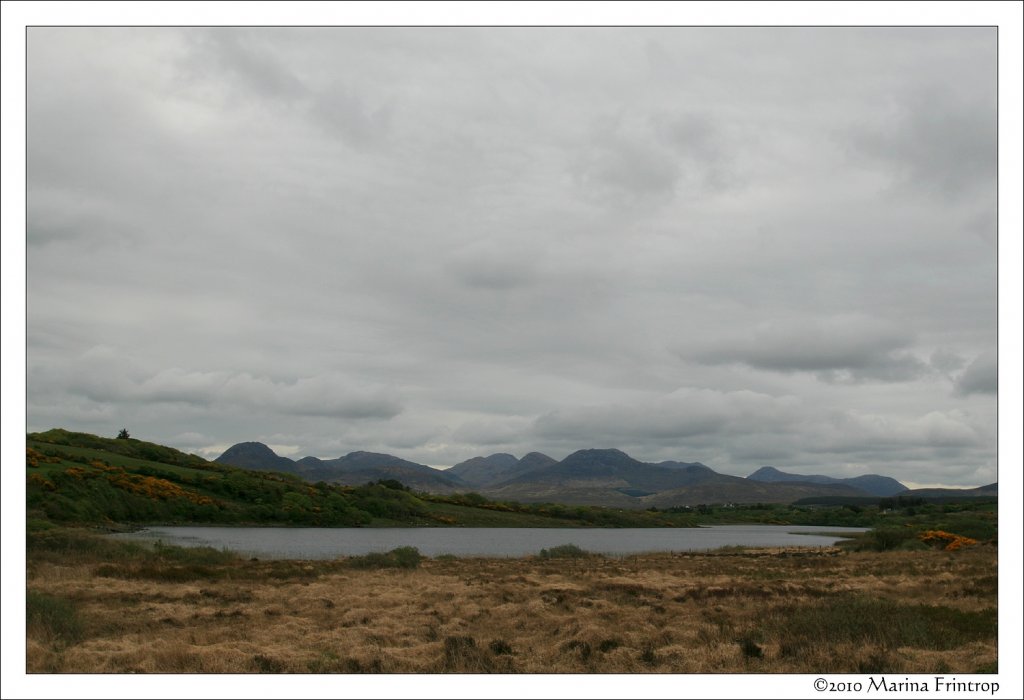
point(77, 478)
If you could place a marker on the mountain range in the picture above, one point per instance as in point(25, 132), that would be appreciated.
point(607, 477)
point(874, 484)
point(354, 468)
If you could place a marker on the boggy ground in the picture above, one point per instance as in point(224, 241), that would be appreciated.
point(758, 611)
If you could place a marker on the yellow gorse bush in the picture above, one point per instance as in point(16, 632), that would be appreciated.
point(952, 542)
point(153, 487)
point(34, 458)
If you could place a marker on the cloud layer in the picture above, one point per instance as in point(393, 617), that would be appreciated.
point(739, 246)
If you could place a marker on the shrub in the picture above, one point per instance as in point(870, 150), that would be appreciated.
point(500, 646)
point(880, 661)
point(582, 647)
point(400, 558)
point(880, 539)
point(406, 557)
point(194, 555)
point(267, 664)
point(946, 540)
point(38, 525)
point(462, 655)
point(564, 551)
point(751, 649)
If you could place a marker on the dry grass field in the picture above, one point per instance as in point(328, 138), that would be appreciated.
point(733, 611)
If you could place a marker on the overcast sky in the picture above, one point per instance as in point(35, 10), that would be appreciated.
point(735, 246)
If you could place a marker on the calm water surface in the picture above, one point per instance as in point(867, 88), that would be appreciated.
point(327, 543)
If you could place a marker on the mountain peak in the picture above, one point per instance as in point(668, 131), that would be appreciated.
point(602, 459)
point(763, 472)
point(254, 455)
point(483, 471)
point(599, 453)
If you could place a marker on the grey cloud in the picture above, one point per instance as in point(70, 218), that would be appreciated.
point(936, 142)
point(700, 144)
point(246, 58)
point(838, 349)
point(325, 395)
point(682, 415)
point(504, 430)
point(624, 168)
point(862, 432)
point(946, 361)
point(980, 377)
point(634, 161)
point(340, 109)
point(492, 266)
point(105, 377)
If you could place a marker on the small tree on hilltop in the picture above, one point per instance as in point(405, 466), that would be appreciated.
point(123, 435)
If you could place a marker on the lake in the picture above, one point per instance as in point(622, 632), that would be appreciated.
point(327, 543)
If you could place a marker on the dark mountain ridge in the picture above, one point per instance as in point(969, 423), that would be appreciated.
point(874, 484)
point(612, 467)
point(484, 471)
point(608, 477)
point(986, 491)
point(354, 468)
point(611, 477)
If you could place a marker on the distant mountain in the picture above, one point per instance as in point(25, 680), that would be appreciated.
point(607, 477)
point(987, 491)
point(873, 484)
point(610, 467)
point(353, 468)
point(256, 455)
point(749, 492)
point(307, 464)
point(682, 465)
point(361, 461)
point(482, 472)
point(433, 481)
point(536, 460)
point(612, 478)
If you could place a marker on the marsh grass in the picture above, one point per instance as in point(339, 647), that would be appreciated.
point(53, 618)
point(106, 608)
point(882, 623)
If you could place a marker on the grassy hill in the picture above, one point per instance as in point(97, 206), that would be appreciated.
point(78, 478)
